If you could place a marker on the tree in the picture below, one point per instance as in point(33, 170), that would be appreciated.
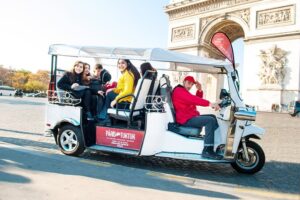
point(35, 86)
point(25, 80)
point(38, 81)
point(20, 78)
point(5, 76)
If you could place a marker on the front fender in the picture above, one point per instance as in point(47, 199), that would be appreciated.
point(253, 130)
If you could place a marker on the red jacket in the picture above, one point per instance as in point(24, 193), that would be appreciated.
point(185, 103)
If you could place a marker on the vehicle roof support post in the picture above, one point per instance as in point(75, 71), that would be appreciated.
point(53, 69)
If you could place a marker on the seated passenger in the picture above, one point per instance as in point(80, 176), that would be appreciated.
point(146, 67)
point(187, 115)
point(95, 89)
point(100, 79)
point(86, 75)
point(125, 86)
point(72, 82)
point(101, 74)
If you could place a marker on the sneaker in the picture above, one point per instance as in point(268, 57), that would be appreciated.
point(99, 117)
point(89, 116)
point(208, 152)
point(104, 122)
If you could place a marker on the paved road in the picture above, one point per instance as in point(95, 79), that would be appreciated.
point(31, 166)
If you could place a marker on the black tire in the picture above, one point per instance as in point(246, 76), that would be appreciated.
point(256, 155)
point(70, 140)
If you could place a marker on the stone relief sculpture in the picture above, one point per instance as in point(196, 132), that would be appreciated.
point(272, 70)
point(183, 33)
point(202, 7)
point(276, 17)
point(244, 14)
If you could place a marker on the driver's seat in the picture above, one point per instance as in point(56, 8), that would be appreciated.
point(166, 92)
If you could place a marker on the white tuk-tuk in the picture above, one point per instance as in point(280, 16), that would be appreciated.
point(148, 127)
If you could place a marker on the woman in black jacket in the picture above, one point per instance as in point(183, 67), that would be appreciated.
point(72, 82)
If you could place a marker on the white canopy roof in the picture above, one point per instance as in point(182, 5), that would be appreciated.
point(177, 59)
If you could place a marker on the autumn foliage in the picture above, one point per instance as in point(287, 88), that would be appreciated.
point(25, 80)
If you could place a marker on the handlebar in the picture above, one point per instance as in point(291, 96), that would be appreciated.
point(225, 102)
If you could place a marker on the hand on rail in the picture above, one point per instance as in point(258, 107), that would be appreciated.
point(214, 106)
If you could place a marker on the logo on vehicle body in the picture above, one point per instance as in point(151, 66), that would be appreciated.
point(120, 138)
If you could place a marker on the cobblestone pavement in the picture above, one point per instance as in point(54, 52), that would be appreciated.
point(22, 125)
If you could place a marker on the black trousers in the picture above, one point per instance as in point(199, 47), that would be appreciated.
point(86, 98)
point(209, 122)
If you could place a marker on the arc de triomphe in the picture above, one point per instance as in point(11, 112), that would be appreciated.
point(271, 33)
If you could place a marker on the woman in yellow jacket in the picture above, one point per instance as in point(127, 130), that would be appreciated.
point(126, 85)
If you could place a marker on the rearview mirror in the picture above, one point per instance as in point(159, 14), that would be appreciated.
point(223, 94)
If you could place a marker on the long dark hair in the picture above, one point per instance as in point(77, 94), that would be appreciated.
point(85, 79)
point(131, 68)
point(146, 67)
point(72, 74)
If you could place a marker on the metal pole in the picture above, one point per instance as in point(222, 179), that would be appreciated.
point(55, 71)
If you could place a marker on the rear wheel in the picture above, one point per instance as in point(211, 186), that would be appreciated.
point(256, 159)
point(70, 140)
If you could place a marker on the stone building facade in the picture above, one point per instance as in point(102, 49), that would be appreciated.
point(271, 33)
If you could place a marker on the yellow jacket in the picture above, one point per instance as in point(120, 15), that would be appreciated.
point(125, 86)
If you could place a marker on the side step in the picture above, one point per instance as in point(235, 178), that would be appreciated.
point(189, 156)
point(113, 149)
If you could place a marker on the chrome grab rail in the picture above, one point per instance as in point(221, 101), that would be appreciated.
point(62, 97)
point(155, 103)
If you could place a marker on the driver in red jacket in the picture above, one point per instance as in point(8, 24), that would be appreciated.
point(187, 115)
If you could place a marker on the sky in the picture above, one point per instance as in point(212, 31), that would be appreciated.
point(27, 28)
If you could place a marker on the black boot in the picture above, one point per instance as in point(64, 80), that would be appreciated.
point(208, 152)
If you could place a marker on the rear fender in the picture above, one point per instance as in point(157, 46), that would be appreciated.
point(72, 121)
point(64, 122)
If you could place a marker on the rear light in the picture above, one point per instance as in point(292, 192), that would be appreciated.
point(51, 86)
point(51, 89)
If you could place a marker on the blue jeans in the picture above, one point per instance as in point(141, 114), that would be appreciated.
point(108, 99)
point(209, 122)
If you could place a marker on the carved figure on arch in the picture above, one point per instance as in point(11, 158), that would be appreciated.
point(272, 71)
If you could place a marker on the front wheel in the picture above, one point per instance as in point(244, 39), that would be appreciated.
point(256, 159)
point(70, 140)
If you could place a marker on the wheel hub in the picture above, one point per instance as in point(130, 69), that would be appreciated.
point(68, 140)
point(243, 162)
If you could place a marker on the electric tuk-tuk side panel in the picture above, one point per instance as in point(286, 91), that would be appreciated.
point(56, 114)
point(158, 139)
point(156, 126)
point(174, 142)
point(221, 132)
